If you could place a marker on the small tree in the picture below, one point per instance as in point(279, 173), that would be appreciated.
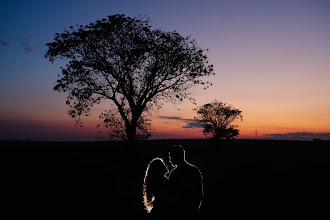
point(122, 59)
point(216, 118)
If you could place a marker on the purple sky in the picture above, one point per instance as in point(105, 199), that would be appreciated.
point(271, 60)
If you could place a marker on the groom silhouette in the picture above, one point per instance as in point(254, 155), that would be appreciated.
point(186, 185)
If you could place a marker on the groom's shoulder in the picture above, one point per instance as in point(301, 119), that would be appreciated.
point(192, 167)
point(196, 172)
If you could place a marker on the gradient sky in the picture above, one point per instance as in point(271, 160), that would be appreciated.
point(271, 59)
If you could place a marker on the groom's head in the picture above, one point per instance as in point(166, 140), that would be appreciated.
point(177, 154)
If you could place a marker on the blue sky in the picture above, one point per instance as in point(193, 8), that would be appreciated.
point(271, 60)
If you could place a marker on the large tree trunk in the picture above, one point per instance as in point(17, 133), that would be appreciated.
point(131, 134)
point(131, 130)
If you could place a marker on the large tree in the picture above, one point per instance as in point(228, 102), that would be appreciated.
point(216, 118)
point(122, 59)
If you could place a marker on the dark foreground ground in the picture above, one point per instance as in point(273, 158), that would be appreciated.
point(99, 180)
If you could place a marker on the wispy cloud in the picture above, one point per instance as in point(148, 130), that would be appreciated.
point(299, 136)
point(16, 37)
point(4, 41)
point(25, 42)
point(190, 123)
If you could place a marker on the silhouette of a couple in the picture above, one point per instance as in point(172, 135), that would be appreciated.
point(175, 194)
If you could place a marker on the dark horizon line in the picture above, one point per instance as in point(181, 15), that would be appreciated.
point(160, 139)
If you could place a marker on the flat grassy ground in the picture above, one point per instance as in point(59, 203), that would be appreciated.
point(242, 178)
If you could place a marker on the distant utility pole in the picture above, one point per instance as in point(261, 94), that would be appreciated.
point(256, 135)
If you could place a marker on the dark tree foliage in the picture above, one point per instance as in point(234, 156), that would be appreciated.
point(122, 59)
point(216, 118)
point(113, 126)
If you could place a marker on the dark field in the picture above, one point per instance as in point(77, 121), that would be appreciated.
point(99, 180)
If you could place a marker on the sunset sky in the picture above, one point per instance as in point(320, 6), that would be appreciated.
point(271, 60)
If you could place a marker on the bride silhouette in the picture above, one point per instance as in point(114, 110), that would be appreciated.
point(155, 189)
point(176, 194)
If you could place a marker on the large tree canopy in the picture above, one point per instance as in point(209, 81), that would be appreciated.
point(123, 60)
